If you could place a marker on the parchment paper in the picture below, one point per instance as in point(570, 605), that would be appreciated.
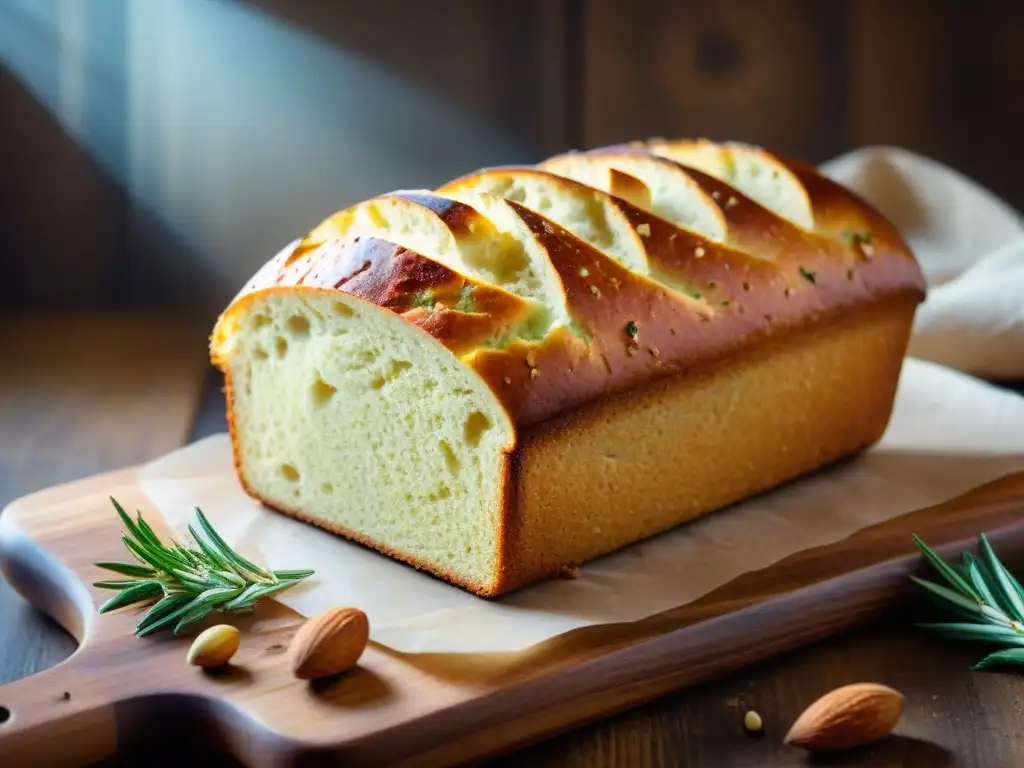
point(950, 432)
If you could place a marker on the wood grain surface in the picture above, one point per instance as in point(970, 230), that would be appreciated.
point(953, 716)
point(739, 69)
point(421, 709)
point(82, 394)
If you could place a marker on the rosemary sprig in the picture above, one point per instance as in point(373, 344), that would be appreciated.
point(187, 584)
point(984, 593)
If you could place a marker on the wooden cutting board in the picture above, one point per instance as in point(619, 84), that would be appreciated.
point(421, 709)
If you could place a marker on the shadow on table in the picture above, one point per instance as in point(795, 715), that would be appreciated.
point(895, 750)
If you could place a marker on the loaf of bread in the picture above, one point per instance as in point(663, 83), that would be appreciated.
point(531, 367)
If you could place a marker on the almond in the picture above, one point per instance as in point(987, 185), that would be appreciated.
point(214, 647)
point(847, 717)
point(330, 643)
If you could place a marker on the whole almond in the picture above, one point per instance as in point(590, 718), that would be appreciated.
point(847, 717)
point(214, 647)
point(330, 643)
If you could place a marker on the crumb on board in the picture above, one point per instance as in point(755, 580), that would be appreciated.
point(569, 571)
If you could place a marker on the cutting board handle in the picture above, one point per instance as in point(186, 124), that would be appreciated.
point(47, 724)
point(429, 709)
point(54, 717)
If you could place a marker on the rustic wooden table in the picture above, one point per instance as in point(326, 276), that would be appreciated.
point(84, 394)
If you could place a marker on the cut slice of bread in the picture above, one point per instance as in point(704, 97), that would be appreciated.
point(586, 212)
point(644, 244)
point(670, 192)
point(482, 237)
point(757, 174)
point(376, 431)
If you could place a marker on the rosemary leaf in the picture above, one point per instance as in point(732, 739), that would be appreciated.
point(210, 552)
point(231, 578)
point(151, 556)
point(243, 598)
point(148, 535)
point(218, 595)
point(180, 608)
point(216, 578)
point(173, 555)
point(189, 582)
point(194, 614)
point(126, 519)
point(122, 584)
point(997, 618)
point(203, 605)
point(951, 575)
point(1001, 586)
point(129, 569)
point(291, 575)
point(257, 592)
point(947, 598)
point(144, 590)
point(225, 551)
point(977, 575)
point(1011, 657)
point(187, 557)
point(1016, 584)
point(164, 607)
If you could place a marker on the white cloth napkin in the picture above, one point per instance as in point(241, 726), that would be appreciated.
point(970, 245)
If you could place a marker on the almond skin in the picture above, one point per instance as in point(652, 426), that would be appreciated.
point(330, 643)
point(847, 717)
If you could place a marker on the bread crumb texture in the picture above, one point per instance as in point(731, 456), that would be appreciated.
point(357, 420)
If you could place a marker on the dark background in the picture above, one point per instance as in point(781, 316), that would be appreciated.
point(154, 154)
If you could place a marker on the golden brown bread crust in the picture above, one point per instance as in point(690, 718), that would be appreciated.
point(630, 466)
point(798, 277)
point(776, 411)
point(461, 313)
point(781, 311)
